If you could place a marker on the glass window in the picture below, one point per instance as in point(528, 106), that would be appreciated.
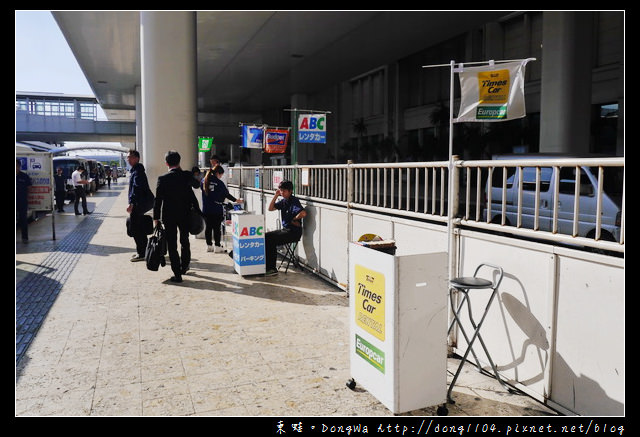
point(529, 178)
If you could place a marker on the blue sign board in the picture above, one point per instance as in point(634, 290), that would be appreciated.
point(252, 137)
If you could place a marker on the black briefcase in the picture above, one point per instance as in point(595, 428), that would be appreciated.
point(146, 223)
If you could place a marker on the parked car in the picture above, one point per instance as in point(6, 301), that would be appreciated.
point(611, 198)
point(69, 164)
point(101, 175)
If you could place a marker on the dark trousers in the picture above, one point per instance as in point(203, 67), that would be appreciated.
point(23, 220)
point(274, 239)
point(137, 231)
point(213, 223)
point(80, 194)
point(179, 262)
point(60, 195)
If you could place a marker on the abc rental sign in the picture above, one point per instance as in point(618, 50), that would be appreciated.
point(312, 128)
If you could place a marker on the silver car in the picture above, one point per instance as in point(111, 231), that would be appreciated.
point(587, 202)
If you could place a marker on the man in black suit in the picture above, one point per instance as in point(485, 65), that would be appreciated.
point(174, 200)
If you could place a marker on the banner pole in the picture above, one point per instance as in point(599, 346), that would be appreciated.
point(450, 209)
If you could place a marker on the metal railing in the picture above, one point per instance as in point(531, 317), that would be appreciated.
point(57, 108)
point(570, 201)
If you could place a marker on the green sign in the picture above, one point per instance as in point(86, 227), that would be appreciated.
point(370, 353)
point(204, 144)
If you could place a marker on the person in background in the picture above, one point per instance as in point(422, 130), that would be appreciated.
point(214, 160)
point(107, 174)
point(173, 203)
point(60, 192)
point(79, 183)
point(197, 176)
point(214, 193)
point(23, 182)
point(138, 190)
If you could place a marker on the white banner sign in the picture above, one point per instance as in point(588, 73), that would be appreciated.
point(492, 92)
point(38, 166)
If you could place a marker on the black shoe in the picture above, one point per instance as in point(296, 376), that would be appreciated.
point(184, 270)
point(271, 272)
point(77, 213)
point(176, 279)
point(87, 213)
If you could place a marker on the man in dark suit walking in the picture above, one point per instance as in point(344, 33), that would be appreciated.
point(174, 200)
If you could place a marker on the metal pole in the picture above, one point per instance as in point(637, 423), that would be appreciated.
point(450, 230)
point(294, 145)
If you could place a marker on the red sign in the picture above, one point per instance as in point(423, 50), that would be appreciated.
point(276, 140)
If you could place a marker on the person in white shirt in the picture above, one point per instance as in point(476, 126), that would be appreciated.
point(79, 184)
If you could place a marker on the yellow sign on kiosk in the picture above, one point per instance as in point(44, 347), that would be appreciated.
point(370, 301)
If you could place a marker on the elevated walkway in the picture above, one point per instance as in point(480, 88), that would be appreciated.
point(98, 335)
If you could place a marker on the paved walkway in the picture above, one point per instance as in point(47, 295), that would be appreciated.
point(98, 335)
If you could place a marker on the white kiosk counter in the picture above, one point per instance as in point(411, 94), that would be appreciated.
point(248, 244)
point(398, 327)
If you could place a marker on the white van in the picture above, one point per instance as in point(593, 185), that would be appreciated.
point(611, 198)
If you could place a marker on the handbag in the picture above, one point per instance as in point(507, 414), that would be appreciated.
point(146, 222)
point(156, 249)
point(147, 203)
point(196, 221)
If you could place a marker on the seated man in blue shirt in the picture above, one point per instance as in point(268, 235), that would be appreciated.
point(291, 214)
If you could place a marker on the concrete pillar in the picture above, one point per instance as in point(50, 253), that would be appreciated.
point(169, 84)
point(139, 142)
point(566, 82)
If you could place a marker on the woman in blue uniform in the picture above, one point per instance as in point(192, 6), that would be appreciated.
point(214, 193)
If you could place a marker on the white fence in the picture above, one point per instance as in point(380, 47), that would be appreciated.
point(556, 330)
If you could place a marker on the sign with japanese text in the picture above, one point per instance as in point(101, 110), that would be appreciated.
point(278, 176)
point(248, 243)
point(204, 144)
point(38, 166)
point(312, 128)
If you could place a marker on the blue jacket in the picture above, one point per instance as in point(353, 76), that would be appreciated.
point(218, 192)
point(138, 184)
point(289, 208)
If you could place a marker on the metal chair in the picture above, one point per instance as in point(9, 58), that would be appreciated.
point(463, 285)
point(290, 255)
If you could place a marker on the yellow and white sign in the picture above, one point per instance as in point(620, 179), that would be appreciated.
point(370, 301)
point(492, 93)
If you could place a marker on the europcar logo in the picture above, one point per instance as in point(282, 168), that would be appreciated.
point(491, 112)
point(370, 353)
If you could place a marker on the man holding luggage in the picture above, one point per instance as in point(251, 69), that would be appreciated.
point(173, 203)
point(138, 194)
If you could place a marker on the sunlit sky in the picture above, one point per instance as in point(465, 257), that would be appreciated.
point(44, 62)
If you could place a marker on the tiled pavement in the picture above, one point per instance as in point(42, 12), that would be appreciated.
point(97, 335)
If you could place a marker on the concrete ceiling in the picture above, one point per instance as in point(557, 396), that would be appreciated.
point(249, 61)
